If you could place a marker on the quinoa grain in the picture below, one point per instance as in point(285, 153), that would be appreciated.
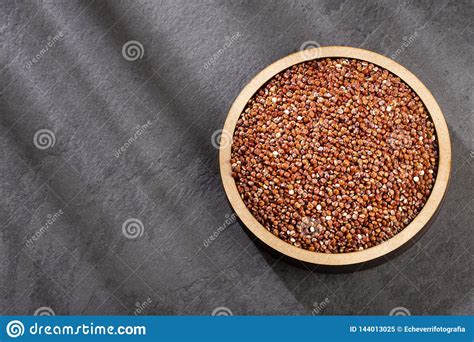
point(330, 155)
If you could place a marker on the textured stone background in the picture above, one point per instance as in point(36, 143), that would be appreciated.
point(92, 99)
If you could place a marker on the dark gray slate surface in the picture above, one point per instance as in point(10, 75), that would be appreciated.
point(91, 98)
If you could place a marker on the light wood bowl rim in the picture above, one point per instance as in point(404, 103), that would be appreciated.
point(342, 259)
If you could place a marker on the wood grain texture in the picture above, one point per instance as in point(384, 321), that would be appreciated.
point(373, 254)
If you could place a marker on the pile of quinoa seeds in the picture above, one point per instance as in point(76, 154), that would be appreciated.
point(334, 155)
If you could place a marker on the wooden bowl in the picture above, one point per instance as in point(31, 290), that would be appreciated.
point(373, 254)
